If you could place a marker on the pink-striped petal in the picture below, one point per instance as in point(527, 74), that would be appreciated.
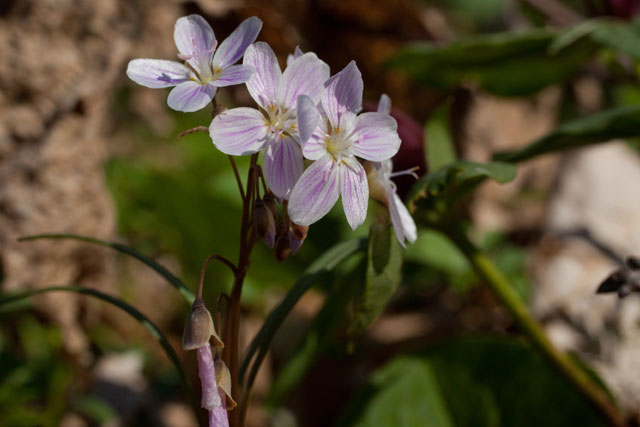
point(354, 191)
point(305, 76)
point(234, 75)
point(314, 148)
point(384, 105)
point(308, 117)
point(195, 40)
point(263, 85)
point(316, 192)
point(234, 46)
point(190, 96)
point(297, 52)
point(282, 165)
point(239, 131)
point(157, 73)
point(343, 92)
point(376, 137)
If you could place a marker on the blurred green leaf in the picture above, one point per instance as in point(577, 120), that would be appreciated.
point(434, 196)
point(507, 64)
point(384, 272)
point(406, 395)
point(95, 408)
point(618, 35)
point(133, 312)
point(325, 263)
point(622, 122)
point(481, 375)
point(170, 277)
point(439, 148)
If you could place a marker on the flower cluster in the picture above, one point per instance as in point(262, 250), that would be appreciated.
point(302, 113)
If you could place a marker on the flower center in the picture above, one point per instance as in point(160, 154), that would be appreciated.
point(280, 120)
point(338, 144)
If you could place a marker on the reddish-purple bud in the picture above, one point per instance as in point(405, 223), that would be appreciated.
point(283, 247)
point(263, 223)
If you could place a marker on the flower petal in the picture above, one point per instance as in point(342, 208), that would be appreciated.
point(234, 46)
point(195, 40)
point(296, 54)
point(376, 136)
point(355, 192)
point(384, 105)
point(190, 96)
point(218, 416)
point(392, 202)
point(234, 75)
point(343, 92)
point(308, 117)
point(305, 76)
point(316, 192)
point(157, 73)
point(207, 373)
point(263, 85)
point(282, 165)
point(408, 225)
point(238, 131)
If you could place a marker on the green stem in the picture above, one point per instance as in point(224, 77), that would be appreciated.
point(511, 300)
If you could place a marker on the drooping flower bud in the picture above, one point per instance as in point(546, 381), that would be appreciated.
point(270, 202)
point(283, 247)
point(199, 328)
point(297, 234)
point(223, 378)
point(263, 223)
point(206, 372)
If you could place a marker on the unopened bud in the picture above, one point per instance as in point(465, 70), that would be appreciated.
point(223, 378)
point(297, 234)
point(199, 328)
point(283, 247)
point(263, 223)
point(270, 202)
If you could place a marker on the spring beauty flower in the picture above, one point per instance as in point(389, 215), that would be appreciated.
point(333, 135)
point(384, 189)
point(241, 131)
point(205, 68)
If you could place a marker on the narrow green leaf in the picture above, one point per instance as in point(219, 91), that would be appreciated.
point(322, 265)
point(170, 277)
point(622, 122)
point(439, 146)
point(506, 64)
point(384, 272)
point(133, 312)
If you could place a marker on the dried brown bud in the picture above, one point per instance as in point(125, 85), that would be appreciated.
point(263, 223)
point(199, 328)
point(299, 231)
point(223, 378)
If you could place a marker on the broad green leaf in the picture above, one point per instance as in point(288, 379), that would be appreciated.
point(406, 395)
point(170, 277)
point(435, 195)
point(384, 272)
point(133, 312)
point(439, 147)
point(622, 122)
point(505, 378)
point(327, 262)
point(505, 64)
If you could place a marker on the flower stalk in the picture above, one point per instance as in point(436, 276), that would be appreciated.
point(505, 292)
